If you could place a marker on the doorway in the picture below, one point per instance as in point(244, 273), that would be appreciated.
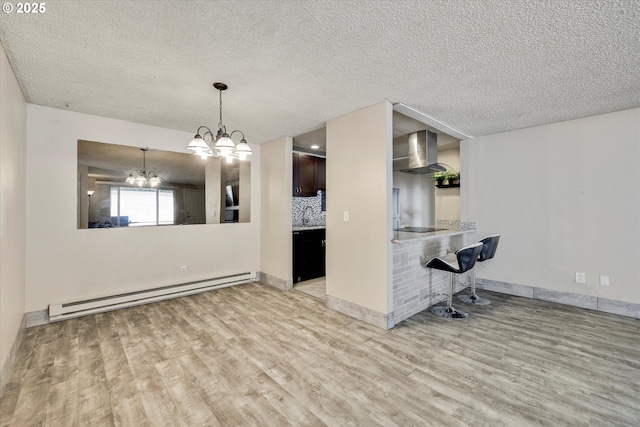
point(316, 288)
point(194, 207)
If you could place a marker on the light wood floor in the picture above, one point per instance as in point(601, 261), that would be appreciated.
point(253, 355)
point(316, 288)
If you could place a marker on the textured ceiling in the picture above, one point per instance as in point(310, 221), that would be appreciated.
point(480, 67)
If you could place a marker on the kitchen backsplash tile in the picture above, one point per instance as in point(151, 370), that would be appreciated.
point(455, 224)
point(313, 205)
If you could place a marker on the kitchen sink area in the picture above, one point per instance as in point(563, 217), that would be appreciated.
point(308, 218)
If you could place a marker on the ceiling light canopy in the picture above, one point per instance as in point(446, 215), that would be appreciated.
point(220, 144)
point(142, 177)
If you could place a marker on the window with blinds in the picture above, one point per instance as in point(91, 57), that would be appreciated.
point(141, 206)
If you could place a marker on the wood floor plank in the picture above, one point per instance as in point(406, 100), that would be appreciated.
point(94, 404)
point(126, 402)
point(31, 406)
point(62, 403)
point(194, 409)
point(156, 400)
point(253, 355)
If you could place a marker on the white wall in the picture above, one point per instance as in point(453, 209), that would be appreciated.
point(13, 136)
point(214, 197)
point(359, 180)
point(244, 198)
point(448, 199)
point(64, 263)
point(565, 197)
point(275, 192)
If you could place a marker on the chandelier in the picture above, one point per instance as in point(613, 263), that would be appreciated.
point(142, 177)
point(220, 144)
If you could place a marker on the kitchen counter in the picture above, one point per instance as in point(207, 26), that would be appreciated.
point(450, 229)
point(308, 227)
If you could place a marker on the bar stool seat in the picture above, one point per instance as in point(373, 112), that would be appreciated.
point(489, 246)
point(454, 263)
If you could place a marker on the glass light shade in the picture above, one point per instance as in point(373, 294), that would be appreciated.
point(154, 180)
point(229, 159)
point(130, 179)
point(225, 144)
point(205, 154)
point(197, 144)
point(90, 192)
point(243, 150)
point(141, 180)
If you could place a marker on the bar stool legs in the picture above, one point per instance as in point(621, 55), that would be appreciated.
point(459, 262)
point(489, 246)
point(449, 311)
point(473, 298)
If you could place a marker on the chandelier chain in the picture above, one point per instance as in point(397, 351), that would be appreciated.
point(220, 123)
point(221, 144)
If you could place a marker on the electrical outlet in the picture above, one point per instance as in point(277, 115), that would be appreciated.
point(604, 280)
point(183, 269)
point(580, 277)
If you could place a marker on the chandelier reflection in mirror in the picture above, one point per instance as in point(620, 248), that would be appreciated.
point(220, 144)
point(142, 177)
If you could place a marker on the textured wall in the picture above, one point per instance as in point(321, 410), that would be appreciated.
point(359, 252)
point(99, 262)
point(13, 135)
point(565, 199)
point(275, 198)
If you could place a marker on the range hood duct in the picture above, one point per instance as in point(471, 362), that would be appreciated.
point(423, 153)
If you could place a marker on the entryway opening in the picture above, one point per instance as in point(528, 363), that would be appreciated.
point(315, 288)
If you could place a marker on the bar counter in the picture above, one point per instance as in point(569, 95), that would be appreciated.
point(415, 287)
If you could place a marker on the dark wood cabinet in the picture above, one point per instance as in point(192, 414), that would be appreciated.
point(308, 254)
point(321, 173)
point(309, 175)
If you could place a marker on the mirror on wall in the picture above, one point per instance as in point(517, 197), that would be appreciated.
point(188, 189)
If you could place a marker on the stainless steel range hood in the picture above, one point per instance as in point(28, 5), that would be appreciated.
point(423, 154)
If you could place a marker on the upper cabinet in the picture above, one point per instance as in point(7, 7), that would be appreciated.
point(309, 175)
point(321, 173)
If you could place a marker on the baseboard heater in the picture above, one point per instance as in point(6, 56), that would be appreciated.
point(69, 310)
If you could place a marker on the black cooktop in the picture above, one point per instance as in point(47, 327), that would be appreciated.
point(419, 229)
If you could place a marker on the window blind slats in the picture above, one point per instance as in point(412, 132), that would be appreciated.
point(143, 206)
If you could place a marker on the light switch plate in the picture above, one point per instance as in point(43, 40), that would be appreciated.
point(345, 215)
point(604, 280)
point(580, 277)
